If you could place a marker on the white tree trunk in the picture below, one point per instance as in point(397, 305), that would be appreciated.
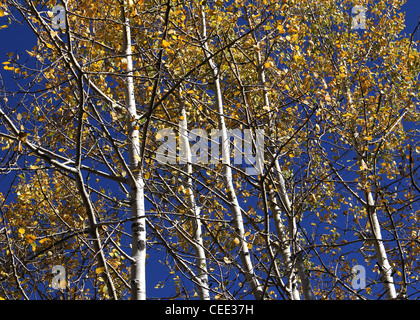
point(285, 248)
point(384, 266)
point(138, 226)
point(234, 206)
point(303, 275)
point(185, 158)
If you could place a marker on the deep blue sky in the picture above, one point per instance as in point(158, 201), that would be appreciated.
point(18, 38)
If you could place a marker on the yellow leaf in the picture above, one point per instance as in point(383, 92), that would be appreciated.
point(219, 3)
point(281, 29)
point(327, 97)
point(114, 116)
point(124, 63)
point(8, 68)
point(227, 260)
point(237, 241)
point(165, 43)
point(32, 54)
point(21, 230)
point(19, 117)
point(268, 64)
point(30, 238)
point(298, 58)
point(17, 70)
point(43, 240)
point(181, 189)
point(3, 26)
point(99, 270)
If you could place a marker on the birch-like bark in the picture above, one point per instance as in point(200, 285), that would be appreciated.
point(384, 266)
point(234, 206)
point(284, 247)
point(200, 255)
point(279, 226)
point(97, 243)
point(138, 226)
point(292, 226)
